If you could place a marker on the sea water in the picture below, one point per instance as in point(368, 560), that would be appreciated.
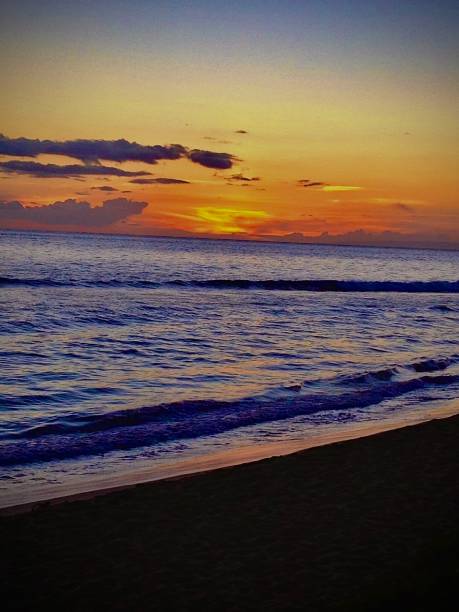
point(123, 352)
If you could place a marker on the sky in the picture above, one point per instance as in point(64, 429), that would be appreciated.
point(323, 121)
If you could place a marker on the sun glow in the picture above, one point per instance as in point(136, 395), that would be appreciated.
point(227, 220)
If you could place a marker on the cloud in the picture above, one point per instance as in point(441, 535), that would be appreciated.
point(160, 181)
point(92, 151)
point(72, 212)
point(387, 238)
point(219, 220)
point(209, 159)
point(241, 132)
point(241, 177)
point(39, 170)
point(308, 183)
point(227, 220)
point(326, 186)
point(361, 237)
point(105, 188)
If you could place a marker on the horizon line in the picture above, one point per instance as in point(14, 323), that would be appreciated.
point(279, 240)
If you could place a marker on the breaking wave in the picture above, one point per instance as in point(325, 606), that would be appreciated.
point(320, 285)
point(79, 435)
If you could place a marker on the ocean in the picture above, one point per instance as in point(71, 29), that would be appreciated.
point(123, 353)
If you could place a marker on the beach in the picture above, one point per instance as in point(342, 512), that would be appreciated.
point(365, 524)
point(229, 306)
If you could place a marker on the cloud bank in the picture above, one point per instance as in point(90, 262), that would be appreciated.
point(39, 170)
point(209, 159)
point(326, 186)
point(93, 151)
point(160, 181)
point(361, 237)
point(308, 183)
point(242, 178)
point(72, 212)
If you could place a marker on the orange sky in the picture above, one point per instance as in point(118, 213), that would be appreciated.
point(369, 114)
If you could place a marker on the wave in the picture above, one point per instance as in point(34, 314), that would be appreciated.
point(320, 285)
point(332, 285)
point(80, 435)
point(443, 308)
point(437, 364)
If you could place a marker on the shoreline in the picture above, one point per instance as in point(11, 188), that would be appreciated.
point(43, 496)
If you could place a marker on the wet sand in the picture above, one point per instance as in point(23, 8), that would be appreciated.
point(366, 524)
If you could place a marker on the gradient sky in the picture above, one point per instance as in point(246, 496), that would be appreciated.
point(359, 97)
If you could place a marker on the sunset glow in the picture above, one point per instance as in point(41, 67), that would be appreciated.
point(260, 96)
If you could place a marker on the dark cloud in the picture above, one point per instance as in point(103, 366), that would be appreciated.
point(241, 132)
point(308, 183)
point(72, 212)
point(69, 171)
point(210, 159)
point(160, 181)
point(363, 237)
point(105, 188)
point(92, 151)
point(241, 177)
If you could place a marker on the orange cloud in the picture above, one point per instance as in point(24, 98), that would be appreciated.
point(341, 188)
point(223, 220)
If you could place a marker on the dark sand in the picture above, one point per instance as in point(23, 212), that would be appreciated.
point(367, 524)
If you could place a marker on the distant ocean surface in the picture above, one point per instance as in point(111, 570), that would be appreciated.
point(118, 352)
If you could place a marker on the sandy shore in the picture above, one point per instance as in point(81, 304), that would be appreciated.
point(366, 524)
point(24, 499)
